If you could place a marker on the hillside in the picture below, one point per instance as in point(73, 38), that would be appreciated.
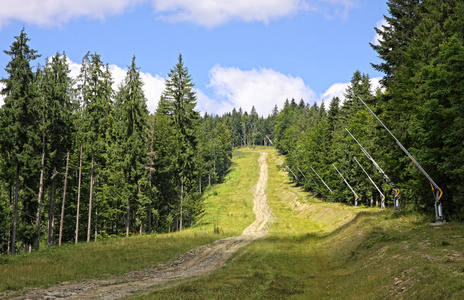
point(312, 249)
point(320, 250)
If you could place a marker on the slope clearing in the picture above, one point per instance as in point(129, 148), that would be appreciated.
point(319, 250)
point(313, 250)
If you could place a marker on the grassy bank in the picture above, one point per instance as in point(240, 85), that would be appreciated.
point(318, 250)
point(228, 211)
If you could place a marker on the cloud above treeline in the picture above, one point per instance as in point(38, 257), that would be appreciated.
point(339, 89)
point(262, 88)
point(231, 88)
point(207, 13)
point(152, 88)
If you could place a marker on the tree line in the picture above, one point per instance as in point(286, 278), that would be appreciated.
point(80, 161)
point(421, 101)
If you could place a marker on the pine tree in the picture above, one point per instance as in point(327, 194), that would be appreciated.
point(179, 103)
point(133, 115)
point(395, 36)
point(18, 118)
point(96, 92)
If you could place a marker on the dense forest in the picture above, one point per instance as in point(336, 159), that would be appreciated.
point(80, 161)
point(422, 57)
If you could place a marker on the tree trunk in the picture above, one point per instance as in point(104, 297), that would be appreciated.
point(51, 213)
point(78, 196)
point(128, 217)
point(181, 203)
point(15, 220)
point(141, 221)
point(96, 228)
point(150, 206)
point(10, 216)
point(214, 163)
point(41, 193)
point(64, 199)
point(89, 225)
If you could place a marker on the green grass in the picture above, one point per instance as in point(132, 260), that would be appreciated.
point(320, 251)
point(95, 260)
point(335, 251)
point(229, 206)
point(228, 209)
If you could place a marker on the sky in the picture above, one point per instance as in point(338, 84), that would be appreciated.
point(239, 53)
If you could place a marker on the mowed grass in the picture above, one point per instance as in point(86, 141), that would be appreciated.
point(229, 209)
point(334, 251)
point(229, 206)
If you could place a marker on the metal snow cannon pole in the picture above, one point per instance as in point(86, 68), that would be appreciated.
point(355, 196)
point(324, 184)
point(270, 140)
point(436, 190)
point(307, 179)
point(392, 185)
point(382, 203)
point(296, 177)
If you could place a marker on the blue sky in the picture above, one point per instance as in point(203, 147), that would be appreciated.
point(240, 53)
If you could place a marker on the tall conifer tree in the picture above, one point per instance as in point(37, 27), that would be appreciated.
point(181, 102)
point(18, 118)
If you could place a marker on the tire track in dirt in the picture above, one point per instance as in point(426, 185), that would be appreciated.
point(197, 262)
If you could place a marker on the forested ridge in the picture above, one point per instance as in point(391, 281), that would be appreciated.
point(81, 161)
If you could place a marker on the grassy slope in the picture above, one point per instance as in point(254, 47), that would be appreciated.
point(336, 251)
point(226, 207)
point(323, 251)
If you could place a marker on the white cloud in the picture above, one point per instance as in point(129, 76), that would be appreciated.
point(339, 89)
point(208, 13)
point(152, 88)
point(335, 90)
point(380, 25)
point(262, 88)
point(48, 13)
point(375, 84)
point(1, 96)
point(211, 13)
point(74, 68)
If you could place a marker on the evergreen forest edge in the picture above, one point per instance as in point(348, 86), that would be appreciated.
point(80, 161)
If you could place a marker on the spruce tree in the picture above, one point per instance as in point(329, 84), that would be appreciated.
point(96, 93)
point(133, 115)
point(180, 100)
point(18, 118)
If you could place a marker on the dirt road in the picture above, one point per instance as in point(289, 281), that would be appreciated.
point(197, 262)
